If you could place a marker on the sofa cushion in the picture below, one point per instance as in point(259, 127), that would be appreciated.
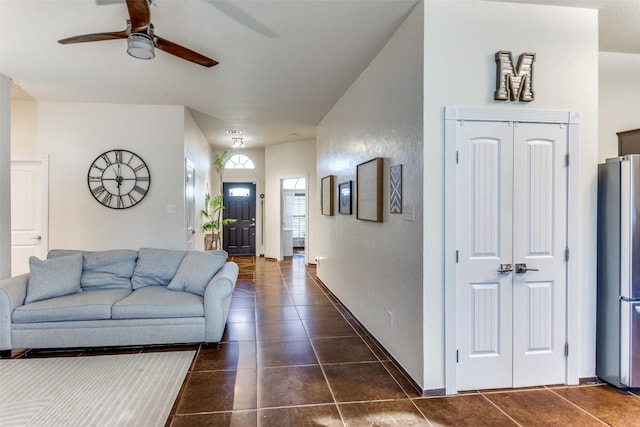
point(195, 271)
point(88, 305)
point(156, 267)
point(57, 253)
point(53, 277)
point(110, 269)
point(158, 302)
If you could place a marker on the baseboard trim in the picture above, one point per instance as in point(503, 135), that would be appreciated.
point(416, 387)
point(589, 380)
point(434, 392)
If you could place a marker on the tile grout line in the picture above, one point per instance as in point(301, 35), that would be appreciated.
point(499, 408)
point(367, 343)
point(255, 348)
point(575, 405)
point(375, 354)
point(324, 374)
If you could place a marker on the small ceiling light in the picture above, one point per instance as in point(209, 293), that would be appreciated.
point(238, 142)
point(234, 132)
point(140, 45)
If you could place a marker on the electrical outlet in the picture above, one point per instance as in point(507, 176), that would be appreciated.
point(390, 314)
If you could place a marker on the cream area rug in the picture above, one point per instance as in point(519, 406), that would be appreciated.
point(114, 390)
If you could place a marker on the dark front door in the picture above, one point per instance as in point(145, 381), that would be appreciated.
point(239, 201)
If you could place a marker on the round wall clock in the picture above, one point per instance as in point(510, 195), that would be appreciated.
point(119, 179)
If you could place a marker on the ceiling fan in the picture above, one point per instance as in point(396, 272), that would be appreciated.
point(141, 38)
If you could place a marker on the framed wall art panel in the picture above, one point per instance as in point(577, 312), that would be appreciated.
point(326, 195)
point(369, 190)
point(344, 198)
point(628, 142)
point(395, 189)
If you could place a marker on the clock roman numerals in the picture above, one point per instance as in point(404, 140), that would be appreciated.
point(119, 179)
point(106, 198)
point(106, 159)
point(97, 191)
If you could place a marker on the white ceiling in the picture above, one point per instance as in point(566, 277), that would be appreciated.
point(283, 64)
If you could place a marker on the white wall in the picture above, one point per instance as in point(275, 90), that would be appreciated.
point(619, 100)
point(461, 39)
point(5, 177)
point(198, 150)
point(74, 134)
point(375, 268)
point(289, 160)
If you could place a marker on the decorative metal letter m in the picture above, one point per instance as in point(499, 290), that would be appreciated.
point(514, 83)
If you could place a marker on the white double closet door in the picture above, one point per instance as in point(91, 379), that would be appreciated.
point(511, 237)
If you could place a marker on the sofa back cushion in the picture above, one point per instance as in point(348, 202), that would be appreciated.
point(110, 269)
point(195, 271)
point(156, 267)
point(53, 277)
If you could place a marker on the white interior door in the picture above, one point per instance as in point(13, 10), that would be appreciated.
point(511, 209)
point(484, 225)
point(539, 236)
point(29, 211)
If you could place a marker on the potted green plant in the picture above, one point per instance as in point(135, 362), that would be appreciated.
point(213, 208)
point(212, 213)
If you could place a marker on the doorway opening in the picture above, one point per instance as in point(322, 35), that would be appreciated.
point(294, 216)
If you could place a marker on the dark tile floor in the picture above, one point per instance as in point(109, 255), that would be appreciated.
point(293, 356)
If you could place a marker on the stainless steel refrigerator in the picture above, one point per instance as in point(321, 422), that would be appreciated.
point(618, 309)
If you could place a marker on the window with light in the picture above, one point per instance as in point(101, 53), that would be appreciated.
point(239, 161)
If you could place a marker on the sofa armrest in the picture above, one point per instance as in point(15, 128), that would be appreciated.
point(13, 292)
point(217, 300)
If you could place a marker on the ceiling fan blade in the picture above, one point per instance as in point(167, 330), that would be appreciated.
point(183, 52)
point(139, 14)
point(96, 37)
point(242, 17)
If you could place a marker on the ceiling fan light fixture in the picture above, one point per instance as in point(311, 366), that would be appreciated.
point(140, 45)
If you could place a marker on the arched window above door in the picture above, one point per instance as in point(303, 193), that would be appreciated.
point(239, 161)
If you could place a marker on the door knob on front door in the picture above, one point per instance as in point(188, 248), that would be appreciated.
point(522, 268)
point(505, 268)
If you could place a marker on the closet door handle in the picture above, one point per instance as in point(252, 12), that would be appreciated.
point(505, 268)
point(522, 268)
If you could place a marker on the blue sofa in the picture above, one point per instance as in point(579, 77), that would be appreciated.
point(117, 298)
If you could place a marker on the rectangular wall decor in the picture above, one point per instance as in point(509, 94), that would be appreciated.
point(344, 198)
point(628, 142)
point(369, 190)
point(326, 195)
point(395, 190)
